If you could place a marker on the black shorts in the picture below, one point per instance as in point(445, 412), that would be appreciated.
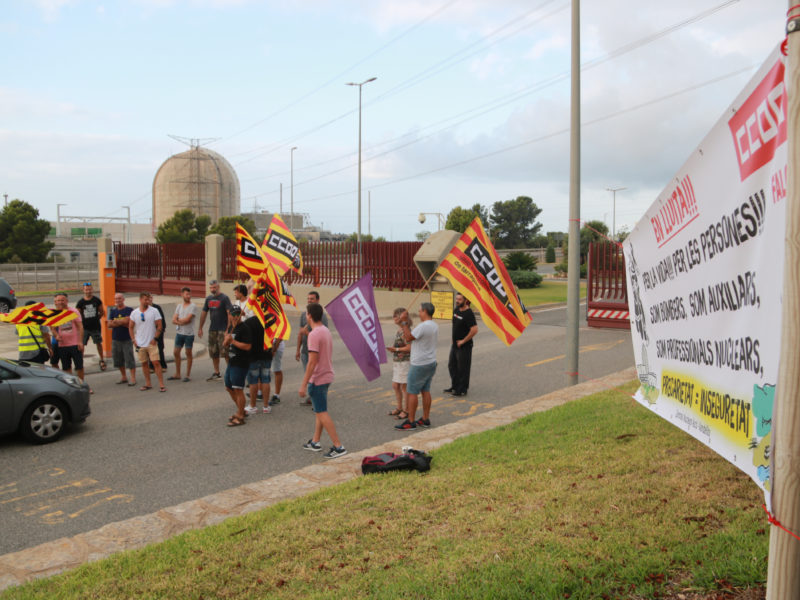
point(68, 355)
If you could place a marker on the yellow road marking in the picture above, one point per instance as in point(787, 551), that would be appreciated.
point(79, 483)
point(590, 348)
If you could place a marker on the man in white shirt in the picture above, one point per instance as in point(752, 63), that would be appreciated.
point(145, 326)
point(423, 339)
point(185, 312)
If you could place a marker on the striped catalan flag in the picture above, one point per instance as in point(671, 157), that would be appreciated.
point(266, 300)
point(37, 313)
point(474, 268)
point(249, 258)
point(281, 248)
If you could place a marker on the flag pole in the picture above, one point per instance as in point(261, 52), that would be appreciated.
point(422, 289)
point(783, 571)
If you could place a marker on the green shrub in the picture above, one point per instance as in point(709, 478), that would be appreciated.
point(550, 254)
point(525, 279)
point(562, 268)
point(519, 261)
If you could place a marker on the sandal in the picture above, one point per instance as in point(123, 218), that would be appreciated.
point(395, 412)
point(235, 422)
point(402, 415)
point(121, 381)
point(144, 388)
point(102, 365)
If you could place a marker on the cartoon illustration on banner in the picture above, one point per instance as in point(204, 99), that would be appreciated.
point(705, 270)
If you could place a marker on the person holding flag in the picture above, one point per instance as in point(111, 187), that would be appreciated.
point(423, 339)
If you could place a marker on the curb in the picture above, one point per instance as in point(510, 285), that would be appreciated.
point(63, 554)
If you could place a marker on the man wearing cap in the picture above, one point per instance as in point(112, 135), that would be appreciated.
point(423, 339)
point(218, 304)
point(238, 343)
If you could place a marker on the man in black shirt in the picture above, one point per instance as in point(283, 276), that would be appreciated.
point(260, 364)
point(238, 344)
point(464, 329)
point(91, 309)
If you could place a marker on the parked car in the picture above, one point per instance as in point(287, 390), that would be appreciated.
point(8, 301)
point(39, 401)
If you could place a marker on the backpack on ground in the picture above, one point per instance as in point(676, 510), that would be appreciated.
point(410, 460)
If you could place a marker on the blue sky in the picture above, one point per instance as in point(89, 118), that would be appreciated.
point(471, 101)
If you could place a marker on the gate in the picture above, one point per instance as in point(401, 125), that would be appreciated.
point(607, 294)
point(160, 268)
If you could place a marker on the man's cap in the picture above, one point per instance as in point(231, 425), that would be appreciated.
point(235, 311)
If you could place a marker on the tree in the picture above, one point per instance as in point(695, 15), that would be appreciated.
point(422, 235)
point(459, 218)
point(23, 233)
point(226, 226)
point(514, 222)
point(365, 237)
point(519, 261)
point(550, 254)
point(592, 231)
point(183, 228)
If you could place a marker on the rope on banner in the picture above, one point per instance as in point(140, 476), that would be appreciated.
point(773, 521)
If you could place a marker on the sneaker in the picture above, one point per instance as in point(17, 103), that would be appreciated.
point(267, 410)
point(214, 377)
point(405, 425)
point(313, 446)
point(335, 452)
point(274, 400)
point(449, 390)
point(251, 410)
point(423, 423)
point(459, 393)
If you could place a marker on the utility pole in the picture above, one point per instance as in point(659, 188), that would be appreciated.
point(574, 274)
point(783, 574)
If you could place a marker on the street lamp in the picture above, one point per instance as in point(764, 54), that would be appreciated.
point(359, 157)
point(614, 217)
point(58, 219)
point(440, 220)
point(291, 184)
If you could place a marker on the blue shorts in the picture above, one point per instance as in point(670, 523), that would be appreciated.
point(182, 341)
point(420, 377)
point(234, 377)
point(319, 397)
point(259, 372)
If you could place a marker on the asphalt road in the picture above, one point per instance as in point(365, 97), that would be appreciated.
point(142, 451)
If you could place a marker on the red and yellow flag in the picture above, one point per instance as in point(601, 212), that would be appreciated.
point(266, 297)
point(281, 248)
point(474, 268)
point(37, 313)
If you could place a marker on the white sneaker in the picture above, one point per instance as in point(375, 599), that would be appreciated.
point(267, 410)
point(251, 410)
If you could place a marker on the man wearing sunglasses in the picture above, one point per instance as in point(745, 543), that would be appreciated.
point(145, 326)
point(91, 309)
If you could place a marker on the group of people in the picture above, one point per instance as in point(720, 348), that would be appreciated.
point(236, 335)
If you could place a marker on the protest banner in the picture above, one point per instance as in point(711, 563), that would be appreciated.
point(705, 269)
point(356, 318)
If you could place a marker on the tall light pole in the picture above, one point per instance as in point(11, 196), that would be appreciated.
point(614, 217)
point(291, 185)
point(58, 219)
point(359, 157)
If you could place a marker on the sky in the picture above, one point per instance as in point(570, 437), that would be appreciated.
point(471, 102)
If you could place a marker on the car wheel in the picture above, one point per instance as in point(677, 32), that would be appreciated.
point(44, 421)
point(4, 306)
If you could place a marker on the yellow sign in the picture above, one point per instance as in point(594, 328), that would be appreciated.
point(443, 302)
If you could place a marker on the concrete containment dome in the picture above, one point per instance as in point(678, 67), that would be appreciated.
point(198, 179)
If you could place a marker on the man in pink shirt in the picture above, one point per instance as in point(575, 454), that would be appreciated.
point(70, 338)
point(318, 377)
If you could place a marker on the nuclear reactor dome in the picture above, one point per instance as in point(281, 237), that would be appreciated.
point(198, 179)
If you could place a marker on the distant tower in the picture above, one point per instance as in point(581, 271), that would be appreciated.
point(198, 179)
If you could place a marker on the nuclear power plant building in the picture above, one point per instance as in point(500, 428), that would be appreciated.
point(198, 179)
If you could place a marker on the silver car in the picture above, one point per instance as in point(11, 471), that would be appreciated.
point(39, 401)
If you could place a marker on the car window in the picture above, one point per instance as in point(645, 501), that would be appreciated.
point(6, 374)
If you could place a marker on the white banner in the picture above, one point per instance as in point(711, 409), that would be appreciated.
point(705, 275)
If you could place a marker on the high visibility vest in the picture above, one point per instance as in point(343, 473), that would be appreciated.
point(30, 338)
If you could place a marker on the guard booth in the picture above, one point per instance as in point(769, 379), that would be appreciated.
point(427, 259)
point(607, 293)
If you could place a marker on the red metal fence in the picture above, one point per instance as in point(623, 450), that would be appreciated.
point(165, 268)
point(160, 268)
point(607, 295)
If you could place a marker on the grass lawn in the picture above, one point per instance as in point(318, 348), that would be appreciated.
point(549, 292)
point(598, 498)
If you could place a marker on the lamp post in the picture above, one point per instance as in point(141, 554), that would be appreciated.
point(291, 185)
point(58, 219)
point(358, 238)
point(614, 217)
point(440, 220)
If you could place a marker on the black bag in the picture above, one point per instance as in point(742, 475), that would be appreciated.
point(389, 461)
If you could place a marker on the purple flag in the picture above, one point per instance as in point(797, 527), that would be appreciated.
point(356, 319)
